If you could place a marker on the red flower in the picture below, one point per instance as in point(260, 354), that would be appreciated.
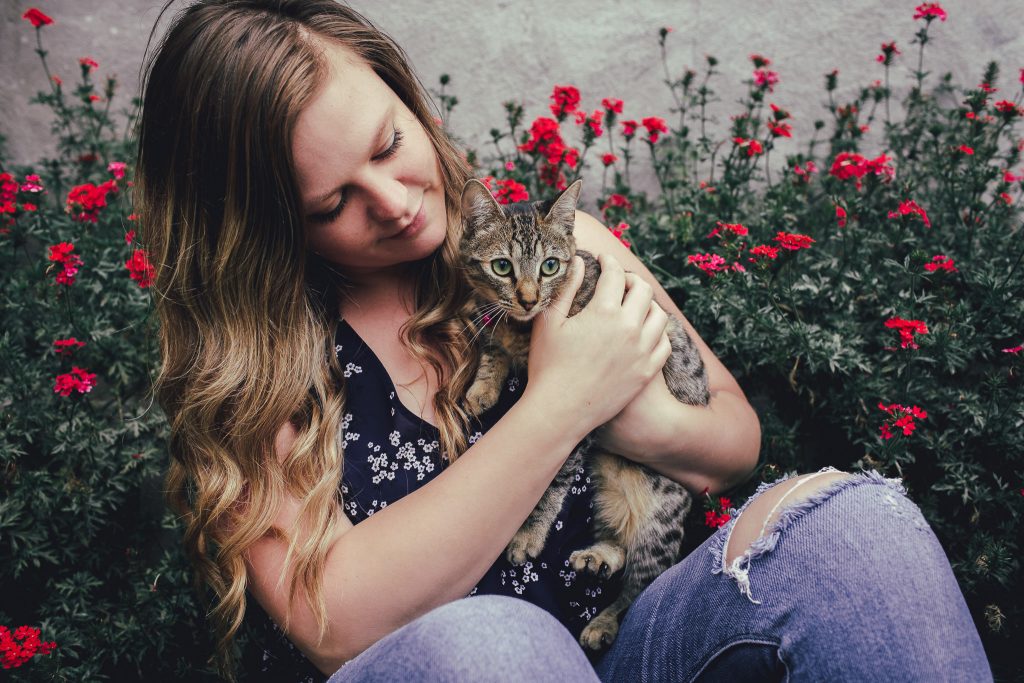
point(717, 513)
point(908, 207)
point(889, 50)
point(904, 418)
point(140, 269)
point(735, 228)
point(907, 330)
point(713, 263)
point(655, 125)
point(941, 262)
point(116, 168)
point(88, 64)
point(929, 11)
point(617, 200)
point(78, 379)
point(13, 654)
point(565, 100)
point(629, 128)
point(612, 105)
point(760, 61)
point(783, 130)
point(1008, 108)
point(753, 146)
point(765, 251)
point(793, 241)
point(1015, 350)
point(546, 139)
point(966, 149)
point(840, 216)
point(803, 174)
point(779, 114)
point(618, 230)
point(129, 237)
point(37, 18)
point(594, 121)
point(85, 201)
point(507, 192)
point(852, 165)
point(66, 347)
point(69, 262)
point(609, 159)
point(765, 79)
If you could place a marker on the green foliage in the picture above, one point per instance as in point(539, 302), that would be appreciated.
point(804, 330)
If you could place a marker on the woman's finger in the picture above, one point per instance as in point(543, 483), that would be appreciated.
point(611, 284)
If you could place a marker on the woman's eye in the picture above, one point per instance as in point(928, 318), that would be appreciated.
point(501, 266)
point(549, 267)
point(333, 214)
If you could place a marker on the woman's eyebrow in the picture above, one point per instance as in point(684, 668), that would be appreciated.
point(375, 140)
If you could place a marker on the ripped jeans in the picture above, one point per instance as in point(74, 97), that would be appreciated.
point(849, 584)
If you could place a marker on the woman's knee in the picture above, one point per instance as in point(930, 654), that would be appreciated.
point(488, 637)
point(764, 511)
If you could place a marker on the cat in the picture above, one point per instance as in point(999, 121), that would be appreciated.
point(516, 261)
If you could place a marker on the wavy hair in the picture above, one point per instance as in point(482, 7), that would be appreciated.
point(247, 313)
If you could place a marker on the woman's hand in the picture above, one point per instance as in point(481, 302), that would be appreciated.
point(587, 368)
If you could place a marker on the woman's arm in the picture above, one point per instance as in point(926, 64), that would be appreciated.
point(433, 545)
point(715, 446)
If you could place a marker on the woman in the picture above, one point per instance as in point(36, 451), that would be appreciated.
point(301, 203)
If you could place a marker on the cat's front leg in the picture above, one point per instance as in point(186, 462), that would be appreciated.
point(483, 393)
point(533, 534)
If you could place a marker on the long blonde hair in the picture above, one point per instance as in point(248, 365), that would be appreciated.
point(247, 313)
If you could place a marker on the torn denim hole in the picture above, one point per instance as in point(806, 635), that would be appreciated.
point(739, 569)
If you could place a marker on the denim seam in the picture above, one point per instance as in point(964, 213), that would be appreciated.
point(745, 639)
point(739, 569)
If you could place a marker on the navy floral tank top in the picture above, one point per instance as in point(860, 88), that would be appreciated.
point(389, 452)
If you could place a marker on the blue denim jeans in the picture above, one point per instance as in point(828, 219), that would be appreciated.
point(849, 584)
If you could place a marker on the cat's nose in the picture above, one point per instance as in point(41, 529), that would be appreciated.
point(527, 304)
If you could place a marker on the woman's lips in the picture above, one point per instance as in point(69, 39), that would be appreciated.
point(414, 228)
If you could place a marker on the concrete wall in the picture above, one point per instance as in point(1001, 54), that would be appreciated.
point(519, 49)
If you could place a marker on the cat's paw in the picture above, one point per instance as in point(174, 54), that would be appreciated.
point(600, 633)
point(481, 397)
point(602, 559)
point(525, 545)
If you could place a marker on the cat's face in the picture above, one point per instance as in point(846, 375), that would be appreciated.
point(517, 256)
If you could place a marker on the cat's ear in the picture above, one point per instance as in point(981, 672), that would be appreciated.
point(563, 210)
point(478, 205)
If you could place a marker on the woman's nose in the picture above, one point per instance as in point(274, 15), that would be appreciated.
point(388, 199)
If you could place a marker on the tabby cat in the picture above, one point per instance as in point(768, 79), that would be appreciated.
point(517, 259)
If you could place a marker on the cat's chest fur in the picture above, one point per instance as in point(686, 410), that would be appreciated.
point(511, 337)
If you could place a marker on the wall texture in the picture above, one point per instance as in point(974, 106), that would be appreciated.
point(500, 50)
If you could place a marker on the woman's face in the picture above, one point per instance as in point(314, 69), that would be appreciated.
point(366, 170)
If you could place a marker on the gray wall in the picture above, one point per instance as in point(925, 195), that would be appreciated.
point(502, 50)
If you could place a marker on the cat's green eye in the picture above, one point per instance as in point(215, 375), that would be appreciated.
point(501, 266)
point(549, 267)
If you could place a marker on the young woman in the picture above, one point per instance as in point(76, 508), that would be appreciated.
point(302, 206)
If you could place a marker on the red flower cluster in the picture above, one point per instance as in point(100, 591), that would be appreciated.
point(116, 168)
point(37, 18)
point(85, 201)
point(764, 251)
point(618, 230)
point(612, 106)
point(78, 379)
point(655, 126)
point(66, 347)
point(911, 207)
point(803, 174)
point(753, 146)
point(716, 513)
point(765, 79)
point(565, 99)
point(735, 228)
point(904, 419)
point(713, 263)
point(792, 240)
point(629, 129)
point(13, 654)
point(508, 191)
point(69, 262)
point(941, 262)
point(593, 121)
point(140, 269)
point(929, 11)
point(609, 159)
point(852, 165)
point(546, 139)
point(889, 50)
point(907, 330)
